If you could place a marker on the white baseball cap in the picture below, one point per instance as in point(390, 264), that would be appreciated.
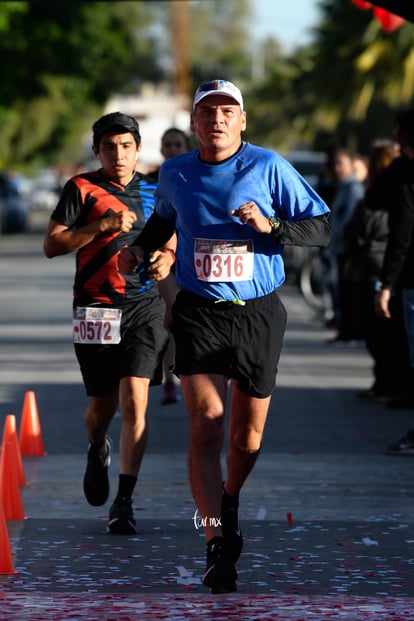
point(218, 87)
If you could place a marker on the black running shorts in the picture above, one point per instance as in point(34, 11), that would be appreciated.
point(139, 354)
point(240, 342)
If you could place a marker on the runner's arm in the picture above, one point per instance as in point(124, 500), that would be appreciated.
point(61, 239)
point(156, 233)
point(308, 232)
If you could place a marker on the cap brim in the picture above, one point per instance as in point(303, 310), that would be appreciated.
point(210, 93)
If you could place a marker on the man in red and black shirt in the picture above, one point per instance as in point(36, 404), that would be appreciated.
point(118, 330)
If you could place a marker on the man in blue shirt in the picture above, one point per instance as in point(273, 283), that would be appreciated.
point(234, 206)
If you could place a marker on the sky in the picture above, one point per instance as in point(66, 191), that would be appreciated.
point(286, 20)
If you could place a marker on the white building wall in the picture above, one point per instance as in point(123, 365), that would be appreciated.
point(156, 110)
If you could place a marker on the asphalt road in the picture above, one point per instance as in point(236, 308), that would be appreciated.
point(327, 516)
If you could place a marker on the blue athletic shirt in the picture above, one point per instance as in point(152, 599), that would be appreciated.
point(218, 257)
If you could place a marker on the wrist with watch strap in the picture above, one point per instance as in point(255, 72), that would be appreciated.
point(276, 230)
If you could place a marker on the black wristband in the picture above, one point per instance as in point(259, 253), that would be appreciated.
point(155, 234)
point(277, 228)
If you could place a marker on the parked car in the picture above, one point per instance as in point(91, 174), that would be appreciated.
point(46, 190)
point(13, 203)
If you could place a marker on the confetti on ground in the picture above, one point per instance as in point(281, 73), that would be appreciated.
point(156, 607)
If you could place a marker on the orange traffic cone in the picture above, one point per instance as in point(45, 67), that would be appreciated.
point(30, 434)
point(10, 496)
point(6, 561)
point(10, 435)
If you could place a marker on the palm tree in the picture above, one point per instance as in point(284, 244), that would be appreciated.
point(360, 74)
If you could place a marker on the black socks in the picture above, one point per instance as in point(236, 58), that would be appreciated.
point(229, 502)
point(126, 486)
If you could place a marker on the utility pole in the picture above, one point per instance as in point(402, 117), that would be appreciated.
point(179, 12)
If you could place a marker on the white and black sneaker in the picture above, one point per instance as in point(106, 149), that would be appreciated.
point(95, 480)
point(121, 518)
point(220, 574)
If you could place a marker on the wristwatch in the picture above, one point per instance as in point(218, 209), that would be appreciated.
point(275, 224)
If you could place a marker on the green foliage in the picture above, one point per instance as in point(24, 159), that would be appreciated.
point(63, 59)
point(6, 11)
point(344, 87)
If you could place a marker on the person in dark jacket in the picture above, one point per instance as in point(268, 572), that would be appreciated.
point(398, 266)
point(349, 191)
point(366, 240)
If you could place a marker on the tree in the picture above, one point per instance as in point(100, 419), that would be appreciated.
point(344, 87)
point(61, 61)
point(208, 36)
point(373, 73)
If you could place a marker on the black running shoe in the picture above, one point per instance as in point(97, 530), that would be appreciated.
point(231, 529)
point(404, 446)
point(95, 480)
point(220, 575)
point(121, 518)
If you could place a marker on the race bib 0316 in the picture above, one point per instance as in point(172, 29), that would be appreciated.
point(218, 260)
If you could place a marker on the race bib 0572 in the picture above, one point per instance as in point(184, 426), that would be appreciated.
point(96, 326)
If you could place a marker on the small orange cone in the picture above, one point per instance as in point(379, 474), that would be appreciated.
point(30, 434)
point(10, 496)
point(10, 435)
point(6, 561)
